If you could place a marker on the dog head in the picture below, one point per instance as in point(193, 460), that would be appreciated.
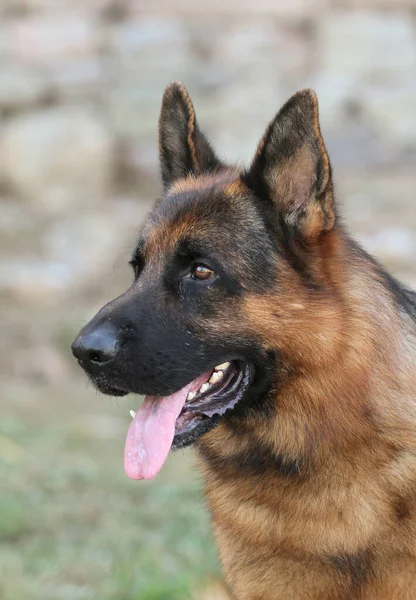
point(225, 268)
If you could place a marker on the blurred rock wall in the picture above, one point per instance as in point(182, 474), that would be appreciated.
point(81, 82)
point(80, 89)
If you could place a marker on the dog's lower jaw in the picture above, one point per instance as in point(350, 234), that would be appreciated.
point(253, 398)
point(182, 440)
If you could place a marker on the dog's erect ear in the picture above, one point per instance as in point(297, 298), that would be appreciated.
point(292, 167)
point(183, 149)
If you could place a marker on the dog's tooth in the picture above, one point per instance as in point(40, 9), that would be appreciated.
point(222, 367)
point(133, 413)
point(204, 387)
point(191, 395)
point(216, 377)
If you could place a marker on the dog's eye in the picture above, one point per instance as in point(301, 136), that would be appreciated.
point(202, 272)
point(137, 266)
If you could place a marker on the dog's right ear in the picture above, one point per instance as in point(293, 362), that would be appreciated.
point(183, 148)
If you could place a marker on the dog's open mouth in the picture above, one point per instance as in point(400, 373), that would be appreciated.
point(160, 418)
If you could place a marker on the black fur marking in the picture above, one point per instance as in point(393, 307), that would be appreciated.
point(401, 509)
point(297, 254)
point(354, 569)
point(260, 459)
point(257, 460)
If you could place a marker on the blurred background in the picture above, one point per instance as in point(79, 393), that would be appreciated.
point(80, 89)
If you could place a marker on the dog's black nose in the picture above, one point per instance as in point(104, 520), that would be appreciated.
point(98, 347)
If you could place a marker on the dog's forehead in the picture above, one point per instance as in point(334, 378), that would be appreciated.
point(199, 209)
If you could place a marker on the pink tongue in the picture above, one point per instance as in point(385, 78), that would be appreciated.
point(151, 432)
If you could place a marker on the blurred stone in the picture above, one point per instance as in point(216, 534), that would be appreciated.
point(146, 54)
point(13, 6)
point(68, 242)
point(335, 92)
point(286, 9)
point(77, 76)
point(56, 157)
point(4, 41)
point(20, 87)
point(132, 110)
point(150, 47)
point(378, 200)
point(394, 242)
point(14, 217)
point(366, 43)
point(237, 130)
point(356, 147)
point(50, 39)
point(72, 253)
point(29, 278)
point(392, 112)
point(376, 4)
point(261, 49)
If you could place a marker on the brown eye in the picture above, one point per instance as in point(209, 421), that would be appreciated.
point(202, 273)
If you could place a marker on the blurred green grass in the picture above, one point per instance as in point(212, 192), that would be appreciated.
point(72, 525)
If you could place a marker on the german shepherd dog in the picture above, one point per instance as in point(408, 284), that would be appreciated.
point(260, 332)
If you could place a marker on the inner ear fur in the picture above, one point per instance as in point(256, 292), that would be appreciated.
point(183, 148)
point(292, 167)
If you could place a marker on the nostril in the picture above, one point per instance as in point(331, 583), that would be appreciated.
point(97, 357)
point(104, 355)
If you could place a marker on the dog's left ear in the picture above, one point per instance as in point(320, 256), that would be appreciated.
point(183, 148)
point(292, 167)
